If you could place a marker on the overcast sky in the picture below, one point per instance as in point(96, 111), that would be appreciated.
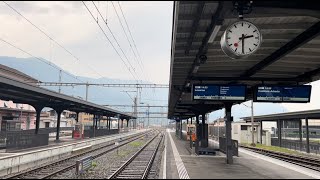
point(71, 25)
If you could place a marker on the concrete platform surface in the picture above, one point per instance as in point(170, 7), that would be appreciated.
point(246, 166)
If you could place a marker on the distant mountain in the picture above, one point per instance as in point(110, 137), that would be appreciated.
point(100, 95)
point(103, 95)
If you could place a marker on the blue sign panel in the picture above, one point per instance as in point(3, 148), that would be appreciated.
point(206, 92)
point(233, 93)
point(296, 94)
point(282, 93)
point(219, 92)
point(269, 93)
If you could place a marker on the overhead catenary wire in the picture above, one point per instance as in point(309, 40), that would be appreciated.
point(141, 65)
point(115, 39)
point(52, 39)
point(127, 36)
point(130, 33)
point(40, 59)
point(109, 41)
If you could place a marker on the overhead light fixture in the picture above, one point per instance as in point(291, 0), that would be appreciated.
point(215, 30)
point(188, 84)
point(195, 70)
point(214, 33)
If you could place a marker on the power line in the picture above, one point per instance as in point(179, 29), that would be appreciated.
point(130, 33)
point(115, 39)
point(42, 60)
point(117, 43)
point(139, 59)
point(109, 41)
point(127, 37)
point(49, 37)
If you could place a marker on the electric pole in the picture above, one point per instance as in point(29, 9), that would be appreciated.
point(60, 73)
point(252, 124)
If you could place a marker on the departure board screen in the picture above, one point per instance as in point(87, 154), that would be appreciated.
point(265, 93)
point(219, 92)
point(269, 93)
point(296, 94)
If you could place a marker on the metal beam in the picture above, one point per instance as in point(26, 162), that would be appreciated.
point(216, 18)
point(298, 41)
point(195, 25)
point(199, 78)
point(104, 85)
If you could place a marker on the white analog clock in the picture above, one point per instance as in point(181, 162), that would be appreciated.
point(241, 39)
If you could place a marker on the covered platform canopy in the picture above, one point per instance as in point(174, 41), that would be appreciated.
point(289, 53)
point(20, 92)
point(297, 116)
point(310, 114)
point(39, 98)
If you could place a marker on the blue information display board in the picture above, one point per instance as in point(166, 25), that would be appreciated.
point(265, 93)
point(219, 92)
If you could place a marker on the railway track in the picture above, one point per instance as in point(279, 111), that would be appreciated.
point(66, 164)
point(138, 166)
point(307, 162)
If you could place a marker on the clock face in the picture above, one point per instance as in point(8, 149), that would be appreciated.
point(241, 39)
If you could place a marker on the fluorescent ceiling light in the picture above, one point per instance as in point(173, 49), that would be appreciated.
point(214, 33)
point(195, 70)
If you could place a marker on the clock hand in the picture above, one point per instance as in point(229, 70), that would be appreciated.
point(242, 43)
point(240, 38)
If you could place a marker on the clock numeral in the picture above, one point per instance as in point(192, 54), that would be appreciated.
point(256, 37)
point(228, 37)
point(255, 44)
point(254, 30)
point(236, 50)
point(235, 26)
point(242, 24)
point(230, 44)
point(249, 26)
point(230, 31)
point(250, 49)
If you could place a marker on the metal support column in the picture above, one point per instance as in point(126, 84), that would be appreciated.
point(279, 133)
point(197, 135)
point(307, 137)
point(204, 140)
point(191, 120)
point(121, 123)
point(261, 132)
point(38, 111)
point(181, 130)
point(77, 118)
point(187, 121)
point(127, 123)
point(93, 125)
point(300, 134)
point(229, 150)
point(59, 111)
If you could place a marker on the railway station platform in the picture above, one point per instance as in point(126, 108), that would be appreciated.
point(179, 163)
point(24, 159)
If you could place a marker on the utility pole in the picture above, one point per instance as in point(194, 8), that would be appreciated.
point(87, 89)
point(252, 124)
point(148, 114)
point(60, 73)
